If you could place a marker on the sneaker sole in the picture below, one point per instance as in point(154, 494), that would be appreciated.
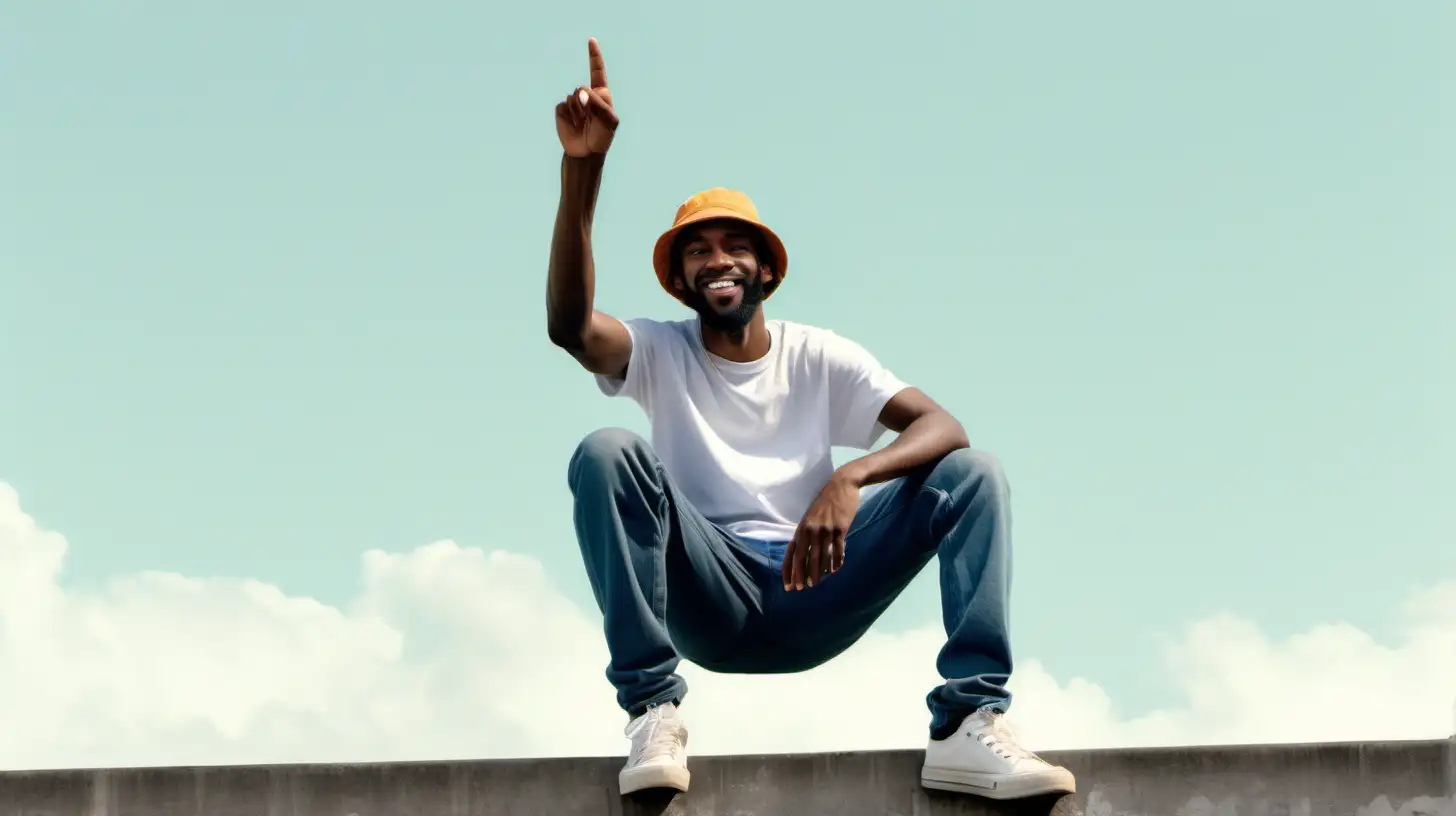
point(999, 786)
point(647, 777)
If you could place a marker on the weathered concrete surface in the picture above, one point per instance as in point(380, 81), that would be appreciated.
point(1376, 779)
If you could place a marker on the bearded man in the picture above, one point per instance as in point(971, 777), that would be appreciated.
point(730, 538)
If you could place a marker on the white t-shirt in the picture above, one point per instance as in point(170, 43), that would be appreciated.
point(748, 444)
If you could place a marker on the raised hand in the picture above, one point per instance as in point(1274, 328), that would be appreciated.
point(585, 120)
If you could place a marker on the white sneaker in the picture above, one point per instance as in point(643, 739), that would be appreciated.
point(659, 757)
point(983, 758)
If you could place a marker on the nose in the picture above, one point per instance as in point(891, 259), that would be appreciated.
point(720, 260)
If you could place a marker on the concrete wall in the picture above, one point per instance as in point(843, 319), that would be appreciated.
point(1377, 779)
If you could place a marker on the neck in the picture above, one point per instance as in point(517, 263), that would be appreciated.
point(743, 346)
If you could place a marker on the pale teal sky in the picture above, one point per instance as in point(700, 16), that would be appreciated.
point(273, 279)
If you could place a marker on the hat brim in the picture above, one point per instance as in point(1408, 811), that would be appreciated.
point(662, 250)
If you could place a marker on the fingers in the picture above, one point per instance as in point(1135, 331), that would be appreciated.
point(572, 110)
point(813, 554)
point(831, 555)
point(798, 566)
point(565, 114)
point(816, 559)
point(598, 65)
point(599, 104)
point(586, 102)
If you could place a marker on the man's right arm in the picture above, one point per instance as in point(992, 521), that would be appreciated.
point(597, 340)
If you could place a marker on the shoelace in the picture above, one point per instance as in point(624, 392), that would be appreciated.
point(999, 737)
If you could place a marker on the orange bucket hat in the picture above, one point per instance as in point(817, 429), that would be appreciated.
point(714, 203)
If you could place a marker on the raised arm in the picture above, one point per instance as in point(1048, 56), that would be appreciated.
point(586, 123)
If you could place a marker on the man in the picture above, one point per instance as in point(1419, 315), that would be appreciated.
point(731, 539)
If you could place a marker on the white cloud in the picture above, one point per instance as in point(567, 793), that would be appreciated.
point(453, 652)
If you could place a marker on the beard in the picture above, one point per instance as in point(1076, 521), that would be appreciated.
point(733, 321)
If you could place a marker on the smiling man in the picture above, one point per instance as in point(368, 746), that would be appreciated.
point(731, 539)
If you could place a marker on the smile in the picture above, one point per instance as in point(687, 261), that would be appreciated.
point(720, 287)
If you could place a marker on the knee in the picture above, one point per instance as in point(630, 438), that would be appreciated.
point(604, 451)
point(966, 469)
point(606, 444)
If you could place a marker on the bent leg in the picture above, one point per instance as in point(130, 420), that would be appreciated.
point(658, 569)
point(956, 509)
point(971, 749)
point(971, 521)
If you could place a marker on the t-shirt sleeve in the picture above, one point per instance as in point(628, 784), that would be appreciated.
point(859, 388)
point(636, 384)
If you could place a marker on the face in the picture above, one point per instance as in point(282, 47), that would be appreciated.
point(722, 277)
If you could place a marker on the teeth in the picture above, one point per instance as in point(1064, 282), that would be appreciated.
point(720, 284)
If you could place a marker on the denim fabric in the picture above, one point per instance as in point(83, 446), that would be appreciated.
point(672, 585)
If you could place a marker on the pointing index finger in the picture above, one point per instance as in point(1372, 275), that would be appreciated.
point(598, 65)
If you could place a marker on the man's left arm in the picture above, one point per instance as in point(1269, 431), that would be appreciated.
point(925, 433)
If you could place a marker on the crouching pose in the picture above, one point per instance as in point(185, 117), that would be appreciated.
point(730, 538)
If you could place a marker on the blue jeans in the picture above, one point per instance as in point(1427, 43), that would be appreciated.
point(673, 585)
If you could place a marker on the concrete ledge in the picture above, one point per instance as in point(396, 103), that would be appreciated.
point(1362, 779)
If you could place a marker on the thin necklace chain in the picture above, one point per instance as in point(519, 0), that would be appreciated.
point(708, 355)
